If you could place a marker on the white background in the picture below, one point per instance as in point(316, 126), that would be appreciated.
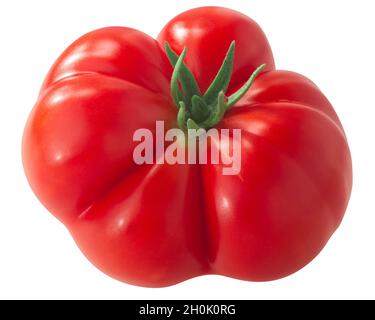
point(331, 42)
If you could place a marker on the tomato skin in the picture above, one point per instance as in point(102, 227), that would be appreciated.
point(293, 202)
point(73, 146)
point(118, 52)
point(157, 225)
point(281, 86)
point(139, 234)
point(207, 33)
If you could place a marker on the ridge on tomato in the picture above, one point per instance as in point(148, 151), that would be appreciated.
point(156, 225)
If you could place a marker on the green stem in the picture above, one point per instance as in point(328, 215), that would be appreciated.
point(175, 90)
point(194, 110)
point(218, 114)
point(181, 116)
point(188, 83)
point(233, 99)
point(222, 79)
point(199, 109)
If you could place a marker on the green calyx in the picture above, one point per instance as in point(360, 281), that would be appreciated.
point(195, 110)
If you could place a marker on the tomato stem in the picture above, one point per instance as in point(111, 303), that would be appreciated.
point(204, 111)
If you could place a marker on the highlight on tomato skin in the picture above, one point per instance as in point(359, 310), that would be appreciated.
point(155, 224)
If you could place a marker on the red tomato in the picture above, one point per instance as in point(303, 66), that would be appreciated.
point(207, 33)
point(156, 225)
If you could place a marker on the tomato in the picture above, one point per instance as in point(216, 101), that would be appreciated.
point(158, 224)
point(207, 33)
